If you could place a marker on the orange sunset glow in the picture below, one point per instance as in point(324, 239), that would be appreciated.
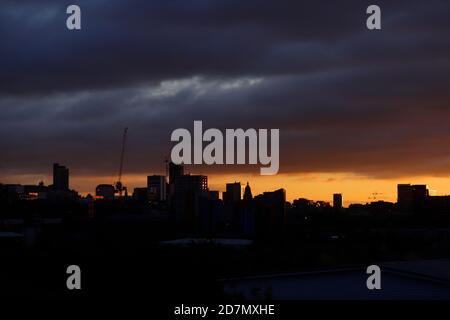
point(320, 186)
point(313, 186)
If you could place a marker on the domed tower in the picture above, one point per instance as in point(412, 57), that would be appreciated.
point(248, 193)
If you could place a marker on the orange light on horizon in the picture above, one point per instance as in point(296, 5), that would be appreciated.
point(314, 186)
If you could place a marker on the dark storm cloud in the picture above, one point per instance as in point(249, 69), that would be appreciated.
point(345, 98)
point(123, 43)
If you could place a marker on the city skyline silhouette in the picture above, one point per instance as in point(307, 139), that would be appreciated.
point(357, 109)
point(368, 194)
point(94, 94)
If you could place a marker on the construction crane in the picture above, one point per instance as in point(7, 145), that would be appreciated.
point(166, 167)
point(119, 187)
point(375, 195)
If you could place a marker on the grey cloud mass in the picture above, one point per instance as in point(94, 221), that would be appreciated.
point(346, 99)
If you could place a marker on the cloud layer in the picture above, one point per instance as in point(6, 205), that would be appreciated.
point(345, 99)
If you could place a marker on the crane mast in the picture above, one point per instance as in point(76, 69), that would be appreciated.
point(119, 187)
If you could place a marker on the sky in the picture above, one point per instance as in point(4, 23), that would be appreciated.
point(358, 111)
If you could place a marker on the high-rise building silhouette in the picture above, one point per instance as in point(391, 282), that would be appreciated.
point(156, 188)
point(232, 193)
point(213, 194)
point(187, 191)
point(337, 201)
point(410, 195)
point(140, 195)
point(105, 191)
point(271, 210)
point(191, 183)
point(60, 177)
point(175, 170)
